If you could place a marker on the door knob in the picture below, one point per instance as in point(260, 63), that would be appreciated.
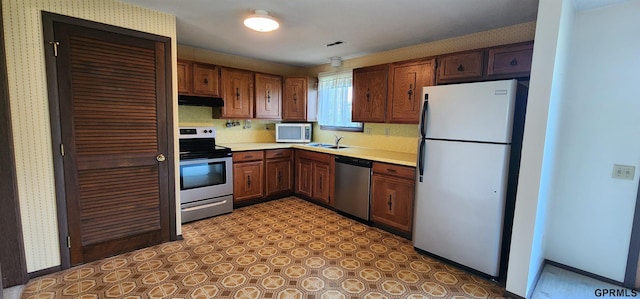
point(160, 158)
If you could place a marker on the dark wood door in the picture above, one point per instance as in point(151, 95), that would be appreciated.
point(113, 120)
point(392, 201)
point(278, 176)
point(304, 177)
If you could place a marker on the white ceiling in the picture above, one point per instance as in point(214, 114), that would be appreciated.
point(306, 26)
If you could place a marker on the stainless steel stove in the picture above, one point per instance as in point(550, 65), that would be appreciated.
point(206, 175)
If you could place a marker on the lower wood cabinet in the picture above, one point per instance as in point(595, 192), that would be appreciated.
point(314, 177)
point(248, 175)
point(392, 196)
point(279, 171)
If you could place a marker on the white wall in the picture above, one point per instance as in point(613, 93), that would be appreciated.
point(590, 213)
point(538, 156)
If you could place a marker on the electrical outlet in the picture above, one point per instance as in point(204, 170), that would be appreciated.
point(387, 131)
point(624, 172)
point(367, 131)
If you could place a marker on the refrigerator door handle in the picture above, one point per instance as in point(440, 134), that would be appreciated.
point(423, 117)
point(421, 159)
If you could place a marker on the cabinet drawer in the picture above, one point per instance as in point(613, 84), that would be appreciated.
point(394, 170)
point(248, 156)
point(320, 157)
point(467, 65)
point(510, 60)
point(278, 153)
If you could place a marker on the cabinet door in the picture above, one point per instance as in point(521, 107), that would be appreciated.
point(405, 89)
point(184, 77)
point(304, 177)
point(510, 61)
point(295, 99)
point(392, 202)
point(206, 80)
point(321, 182)
point(462, 67)
point(370, 93)
point(278, 176)
point(268, 96)
point(247, 180)
point(237, 93)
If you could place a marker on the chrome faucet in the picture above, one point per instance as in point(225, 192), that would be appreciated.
point(338, 140)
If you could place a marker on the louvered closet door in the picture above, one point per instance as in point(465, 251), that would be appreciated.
point(112, 94)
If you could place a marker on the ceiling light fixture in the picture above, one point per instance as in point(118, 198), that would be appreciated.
point(261, 21)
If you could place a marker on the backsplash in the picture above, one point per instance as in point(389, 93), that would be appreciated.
point(391, 137)
point(260, 130)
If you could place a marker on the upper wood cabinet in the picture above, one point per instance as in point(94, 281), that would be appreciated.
point(206, 79)
point(465, 66)
point(299, 99)
point(237, 88)
point(184, 77)
point(198, 79)
point(501, 62)
point(370, 93)
point(268, 96)
point(512, 60)
point(406, 80)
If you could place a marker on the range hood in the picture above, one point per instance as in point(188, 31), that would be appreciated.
point(200, 101)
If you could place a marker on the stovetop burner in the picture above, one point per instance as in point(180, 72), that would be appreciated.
point(216, 151)
point(200, 143)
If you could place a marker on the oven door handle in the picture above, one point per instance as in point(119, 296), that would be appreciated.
point(204, 206)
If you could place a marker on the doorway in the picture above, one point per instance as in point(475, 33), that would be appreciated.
point(111, 110)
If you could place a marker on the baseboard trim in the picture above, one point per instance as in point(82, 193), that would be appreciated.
point(537, 278)
point(587, 274)
point(512, 295)
point(44, 272)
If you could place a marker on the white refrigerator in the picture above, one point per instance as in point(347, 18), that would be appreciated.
point(463, 162)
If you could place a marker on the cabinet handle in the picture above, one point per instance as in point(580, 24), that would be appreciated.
point(390, 203)
point(514, 62)
point(460, 68)
point(368, 95)
point(248, 157)
point(248, 181)
point(321, 179)
point(391, 170)
point(279, 175)
point(295, 97)
point(206, 81)
point(268, 96)
point(238, 93)
point(410, 92)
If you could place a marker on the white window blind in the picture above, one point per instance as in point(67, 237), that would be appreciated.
point(335, 101)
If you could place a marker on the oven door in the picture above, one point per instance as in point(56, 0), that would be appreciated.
point(205, 179)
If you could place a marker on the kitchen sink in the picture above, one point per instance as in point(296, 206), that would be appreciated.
point(326, 145)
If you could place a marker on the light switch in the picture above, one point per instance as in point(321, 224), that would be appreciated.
point(624, 172)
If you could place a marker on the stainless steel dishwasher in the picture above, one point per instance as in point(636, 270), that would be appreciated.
point(353, 186)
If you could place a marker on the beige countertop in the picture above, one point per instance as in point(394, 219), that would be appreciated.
point(406, 159)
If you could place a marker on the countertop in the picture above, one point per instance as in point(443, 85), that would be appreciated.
point(399, 158)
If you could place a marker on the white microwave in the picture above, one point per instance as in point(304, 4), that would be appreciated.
point(290, 132)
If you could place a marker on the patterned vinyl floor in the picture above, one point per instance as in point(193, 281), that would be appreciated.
point(288, 248)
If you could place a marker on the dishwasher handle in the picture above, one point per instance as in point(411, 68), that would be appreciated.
point(354, 161)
